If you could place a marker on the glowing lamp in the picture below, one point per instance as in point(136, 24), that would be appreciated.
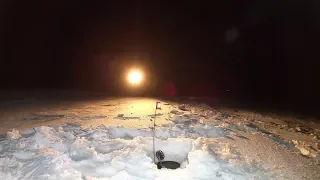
point(158, 105)
point(135, 77)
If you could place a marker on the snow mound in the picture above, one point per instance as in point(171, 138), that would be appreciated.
point(113, 153)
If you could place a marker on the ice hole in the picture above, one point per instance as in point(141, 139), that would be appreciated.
point(175, 150)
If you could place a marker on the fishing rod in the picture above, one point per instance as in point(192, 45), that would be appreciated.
point(158, 106)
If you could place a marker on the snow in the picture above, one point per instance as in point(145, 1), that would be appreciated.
point(92, 141)
point(111, 153)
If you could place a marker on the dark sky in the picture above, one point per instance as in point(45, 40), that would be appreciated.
point(266, 51)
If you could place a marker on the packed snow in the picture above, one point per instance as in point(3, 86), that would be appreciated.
point(103, 141)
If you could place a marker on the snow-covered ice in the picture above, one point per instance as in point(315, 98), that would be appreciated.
point(92, 140)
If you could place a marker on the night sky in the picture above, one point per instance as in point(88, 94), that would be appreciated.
point(266, 52)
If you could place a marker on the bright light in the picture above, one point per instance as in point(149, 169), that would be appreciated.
point(158, 105)
point(135, 77)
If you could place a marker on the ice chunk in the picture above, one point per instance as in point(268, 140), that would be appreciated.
point(28, 133)
point(80, 151)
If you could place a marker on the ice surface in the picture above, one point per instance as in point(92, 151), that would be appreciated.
point(209, 144)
